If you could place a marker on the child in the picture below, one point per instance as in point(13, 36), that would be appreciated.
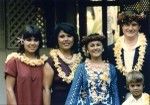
point(135, 82)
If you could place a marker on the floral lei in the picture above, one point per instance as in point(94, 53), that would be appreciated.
point(72, 64)
point(104, 78)
point(146, 99)
point(105, 72)
point(29, 61)
point(117, 54)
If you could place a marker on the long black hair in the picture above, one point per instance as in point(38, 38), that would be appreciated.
point(28, 32)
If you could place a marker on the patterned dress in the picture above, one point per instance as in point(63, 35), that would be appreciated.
point(88, 89)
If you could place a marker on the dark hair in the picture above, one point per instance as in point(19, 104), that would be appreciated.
point(134, 77)
point(28, 32)
point(69, 29)
point(126, 17)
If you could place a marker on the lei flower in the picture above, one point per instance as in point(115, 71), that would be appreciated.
point(118, 59)
point(146, 99)
point(73, 63)
point(105, 70)
point(102, 74)
point(29, 61)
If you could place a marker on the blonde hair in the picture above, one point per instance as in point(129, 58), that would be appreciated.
point(134, 77)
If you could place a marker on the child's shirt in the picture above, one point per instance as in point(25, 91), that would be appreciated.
point(143, 100)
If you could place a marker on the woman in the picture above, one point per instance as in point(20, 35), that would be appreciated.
point(23, 70)
point(95, 80)
point(131, 52)
point(63, 61)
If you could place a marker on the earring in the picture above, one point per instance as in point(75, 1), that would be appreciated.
point(87, 54)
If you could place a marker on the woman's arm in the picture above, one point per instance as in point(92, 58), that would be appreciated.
point(73, 95)
point(114, 86)
point(10, 83)
point(48, 74)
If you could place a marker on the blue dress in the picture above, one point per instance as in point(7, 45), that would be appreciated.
point(88, 89)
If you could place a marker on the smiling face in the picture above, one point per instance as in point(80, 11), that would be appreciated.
point(31, 45)
point(136, 89)
point(95, 49)
point(131, 30)
point(65, 41)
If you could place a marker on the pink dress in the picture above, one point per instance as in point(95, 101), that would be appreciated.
point(28, 87)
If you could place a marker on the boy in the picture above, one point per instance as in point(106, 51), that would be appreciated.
point(135, 82)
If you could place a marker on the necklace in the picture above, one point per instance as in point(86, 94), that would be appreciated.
point(73, 63)
point(146, 99)
point(29, 61)
point(98, 81)
point(142, 42)
point(68, 60)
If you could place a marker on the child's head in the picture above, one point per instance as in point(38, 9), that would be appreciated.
point(135, 82)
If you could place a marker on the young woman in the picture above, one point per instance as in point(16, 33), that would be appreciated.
point(23, 70)
point(95, 79)
point(63, 61)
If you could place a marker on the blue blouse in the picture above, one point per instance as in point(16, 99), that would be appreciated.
point(88, 89)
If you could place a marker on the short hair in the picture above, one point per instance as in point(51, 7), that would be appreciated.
point(129, 16)
point(89, 38)
point(92, 37)
point(134, 77)
point(29, 31)
point(69, 29)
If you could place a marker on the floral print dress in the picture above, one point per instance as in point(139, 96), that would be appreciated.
point(98, 88)
point(93, 87)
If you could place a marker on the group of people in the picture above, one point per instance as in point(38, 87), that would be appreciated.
point(67, 77)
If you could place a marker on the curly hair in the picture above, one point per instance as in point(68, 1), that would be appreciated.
point(92, 37)
point(129, 16)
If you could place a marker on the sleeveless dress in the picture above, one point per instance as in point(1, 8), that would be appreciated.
point(59, 88)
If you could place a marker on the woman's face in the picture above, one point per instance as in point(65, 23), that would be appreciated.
point(95, 49)
point(65, 41)
point(131, 29)
point(31, 45)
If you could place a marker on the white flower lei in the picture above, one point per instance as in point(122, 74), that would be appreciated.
point(72, 64)
point(29, 61)
point(105, 71)
point(104, 77)
point(117, 54)
point(146, 99)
